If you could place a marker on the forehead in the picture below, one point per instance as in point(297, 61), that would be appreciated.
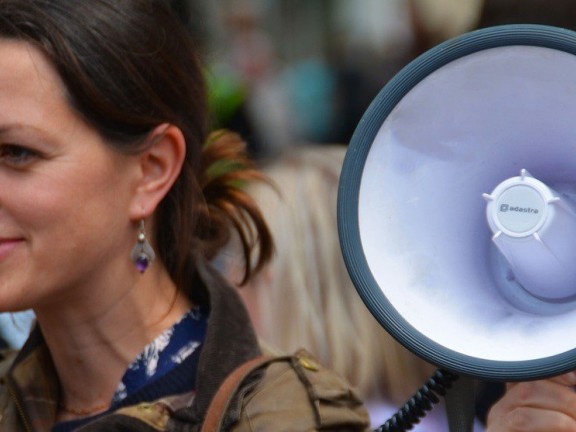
point(30, 87)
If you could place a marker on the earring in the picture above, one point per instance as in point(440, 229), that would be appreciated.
point(142, 253)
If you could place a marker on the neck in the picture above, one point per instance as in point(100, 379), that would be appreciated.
point(104, 330)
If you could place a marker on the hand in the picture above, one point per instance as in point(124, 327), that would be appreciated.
point(546, 406)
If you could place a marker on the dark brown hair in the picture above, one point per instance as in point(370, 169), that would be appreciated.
point(128, 66)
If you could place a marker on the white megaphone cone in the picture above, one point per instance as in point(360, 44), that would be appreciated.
point(485, 292)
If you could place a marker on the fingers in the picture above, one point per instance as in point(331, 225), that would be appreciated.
point(523, 419)
point(568, 379)
point(547, 405)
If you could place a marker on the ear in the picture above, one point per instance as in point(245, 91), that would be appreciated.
point(160, 165)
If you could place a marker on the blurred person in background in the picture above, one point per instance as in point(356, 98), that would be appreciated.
point(305, 298)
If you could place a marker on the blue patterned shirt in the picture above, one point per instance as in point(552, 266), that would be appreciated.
point(172, 355)
point(169, 349)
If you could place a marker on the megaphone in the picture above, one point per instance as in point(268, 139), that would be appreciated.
point(457, 204)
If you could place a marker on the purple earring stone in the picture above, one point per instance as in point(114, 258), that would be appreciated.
point(142, 253)
point(142, 263)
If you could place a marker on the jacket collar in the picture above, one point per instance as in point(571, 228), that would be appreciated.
point(230, 339)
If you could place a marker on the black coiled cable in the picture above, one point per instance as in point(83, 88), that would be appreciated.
point(419, 404)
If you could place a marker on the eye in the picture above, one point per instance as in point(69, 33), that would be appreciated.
point(16, 155)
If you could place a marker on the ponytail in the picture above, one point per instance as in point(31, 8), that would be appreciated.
point(225, 172)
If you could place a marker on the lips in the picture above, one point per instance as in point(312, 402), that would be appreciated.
point(7, 245)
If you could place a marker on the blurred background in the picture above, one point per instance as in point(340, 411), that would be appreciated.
point(285, 72)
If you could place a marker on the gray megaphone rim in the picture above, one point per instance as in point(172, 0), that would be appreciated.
point(348, 202)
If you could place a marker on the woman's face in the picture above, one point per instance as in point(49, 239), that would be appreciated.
point(64, 194)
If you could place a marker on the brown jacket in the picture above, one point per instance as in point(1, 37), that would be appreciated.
point(295, 394)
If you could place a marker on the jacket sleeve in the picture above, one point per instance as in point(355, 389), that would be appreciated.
point(301, 395)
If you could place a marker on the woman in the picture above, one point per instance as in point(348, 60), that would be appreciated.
point(110, 211)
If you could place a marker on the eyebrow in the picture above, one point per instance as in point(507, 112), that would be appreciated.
point(26, 129)
point(20, 126)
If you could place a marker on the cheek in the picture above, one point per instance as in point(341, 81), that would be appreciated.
point(36, 206)
point(75, 207)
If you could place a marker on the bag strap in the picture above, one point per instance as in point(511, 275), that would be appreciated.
point(224, 395)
